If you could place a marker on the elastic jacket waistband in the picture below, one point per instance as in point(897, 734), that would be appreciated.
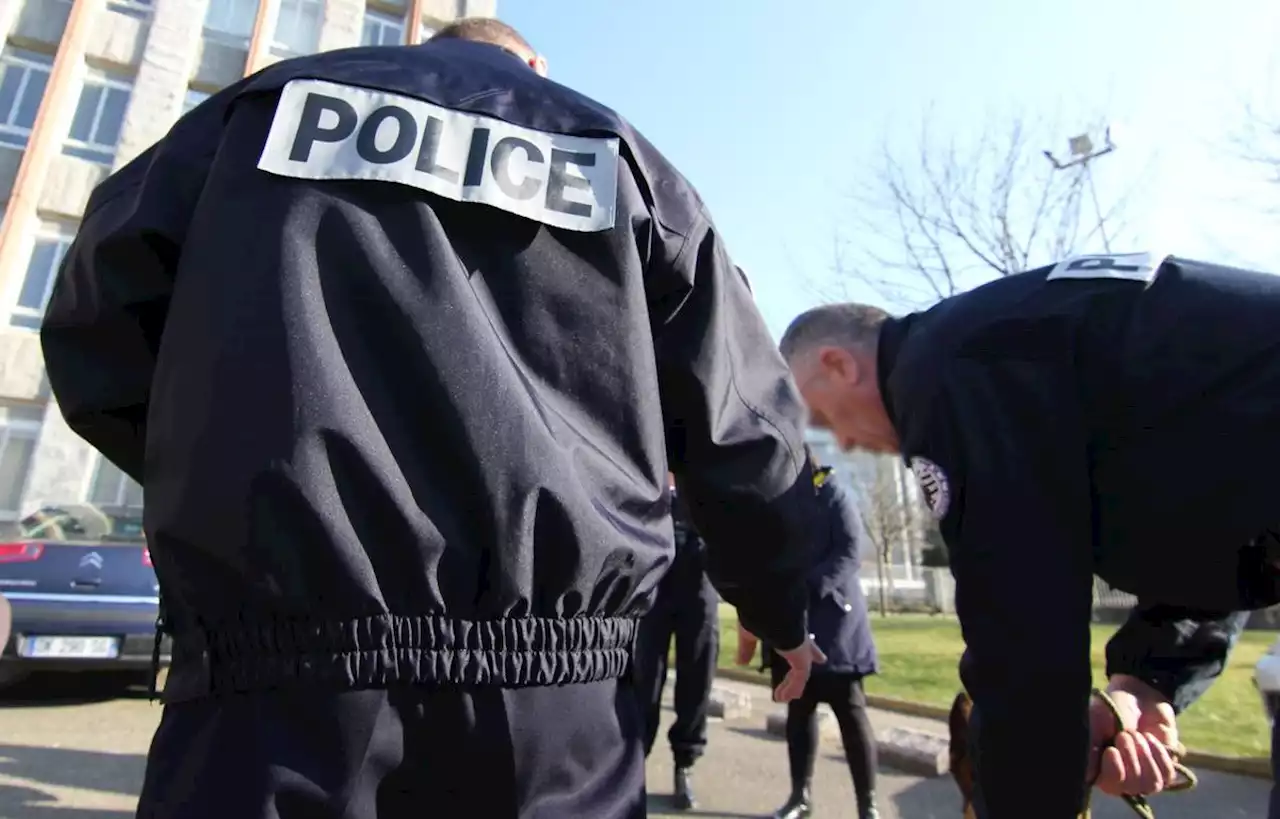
point(388, 649)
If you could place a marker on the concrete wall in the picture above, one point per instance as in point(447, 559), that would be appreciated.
point(477, 8)
point(40, 24)
point(61, 466)
point(164, 70)
point(342, 25)
point(21, 365)
point(117, 42)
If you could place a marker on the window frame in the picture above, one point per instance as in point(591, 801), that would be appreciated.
point(25, 429)
point(27, 61)
point(187, 105)
point(63, 236)
point(284, 49)
point(226, 37)
point(98, 150)
point(383, 21)
point(124, 485)
point(137, 9)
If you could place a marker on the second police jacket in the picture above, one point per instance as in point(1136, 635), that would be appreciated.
point(1115, 416)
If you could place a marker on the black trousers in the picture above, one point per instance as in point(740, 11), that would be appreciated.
point(686, 608)
point(1273, 810)
point(401, 753)
point(848, 702)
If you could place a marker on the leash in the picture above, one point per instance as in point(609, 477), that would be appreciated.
point(1186, 777)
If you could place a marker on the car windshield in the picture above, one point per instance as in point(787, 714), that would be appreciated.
point(84, 522)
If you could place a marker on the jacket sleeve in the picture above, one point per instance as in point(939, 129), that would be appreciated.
point(1002, 463)
point(101, 332)
point(1176, 651)
point(735, 429)
point(841, 531)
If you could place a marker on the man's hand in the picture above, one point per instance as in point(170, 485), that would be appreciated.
point(1138, 762)
point(802, 659)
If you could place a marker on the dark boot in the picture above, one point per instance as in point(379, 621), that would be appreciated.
point(798, 806)
point(867, 809)
point(683, 791)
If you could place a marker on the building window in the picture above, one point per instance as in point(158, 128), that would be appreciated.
point(42, 270)
point(193, 99)
point(297, 28)
point(111, 487)
point(382, 29)
point(141, 9)
point(19, 430)
point(230, 21)
point(95, 131)
point(22, 79)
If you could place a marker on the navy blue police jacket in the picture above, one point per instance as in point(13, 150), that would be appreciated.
point(837, 607)
point(1115, 416)
point(400, 342)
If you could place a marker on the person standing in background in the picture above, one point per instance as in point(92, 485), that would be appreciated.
point(840, 626)
point(685, 607)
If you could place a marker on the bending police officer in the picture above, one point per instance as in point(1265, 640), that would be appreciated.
point(1111, 415)
point(685, 608)
point(403, 427)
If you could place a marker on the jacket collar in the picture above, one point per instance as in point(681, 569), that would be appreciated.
point(893, 335)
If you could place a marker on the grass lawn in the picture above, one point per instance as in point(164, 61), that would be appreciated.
point(919, 653)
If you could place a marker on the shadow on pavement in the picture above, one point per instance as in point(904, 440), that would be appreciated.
point(28, 803)
point(925, 796)
point(65, 768)
point(42, 690)
point(755, 733)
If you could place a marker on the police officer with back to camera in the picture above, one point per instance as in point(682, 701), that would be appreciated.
point(1111, 415)
point(400, 341)
point(685, 607)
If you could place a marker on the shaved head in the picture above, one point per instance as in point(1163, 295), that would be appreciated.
point(832, 354)
point(848, 326)
point(487, 30)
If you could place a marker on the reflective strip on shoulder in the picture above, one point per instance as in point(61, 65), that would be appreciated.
point(1140, 267)
point(325, 130)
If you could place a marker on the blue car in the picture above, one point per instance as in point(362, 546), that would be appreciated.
point(83, 593)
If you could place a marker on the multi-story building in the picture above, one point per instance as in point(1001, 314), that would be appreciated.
point(85, 86)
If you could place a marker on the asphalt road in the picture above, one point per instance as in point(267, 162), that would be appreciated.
point(76, 751)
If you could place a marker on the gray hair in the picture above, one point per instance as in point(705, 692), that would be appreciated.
point(850, 326)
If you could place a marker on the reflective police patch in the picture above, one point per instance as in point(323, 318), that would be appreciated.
point(933, 485)
point(1141, 267)
point(323, 130)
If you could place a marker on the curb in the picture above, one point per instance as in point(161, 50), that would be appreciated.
point(1252, 766)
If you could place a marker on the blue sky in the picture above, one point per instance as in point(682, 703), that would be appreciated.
point(776, 117)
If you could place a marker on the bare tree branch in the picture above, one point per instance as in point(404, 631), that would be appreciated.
point(1259, 141)
point(956, 213)
point(888, 519)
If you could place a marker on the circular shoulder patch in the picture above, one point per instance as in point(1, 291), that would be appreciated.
point(933, 485)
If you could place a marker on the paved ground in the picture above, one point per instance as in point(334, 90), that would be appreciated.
point(72, 751)
point(745, 774)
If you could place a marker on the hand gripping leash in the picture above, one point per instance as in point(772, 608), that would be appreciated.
point(1186, 777)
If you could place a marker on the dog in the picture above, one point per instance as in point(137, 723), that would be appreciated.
point(961, 766)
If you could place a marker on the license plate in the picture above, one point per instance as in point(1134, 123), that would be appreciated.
point(74, 648)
